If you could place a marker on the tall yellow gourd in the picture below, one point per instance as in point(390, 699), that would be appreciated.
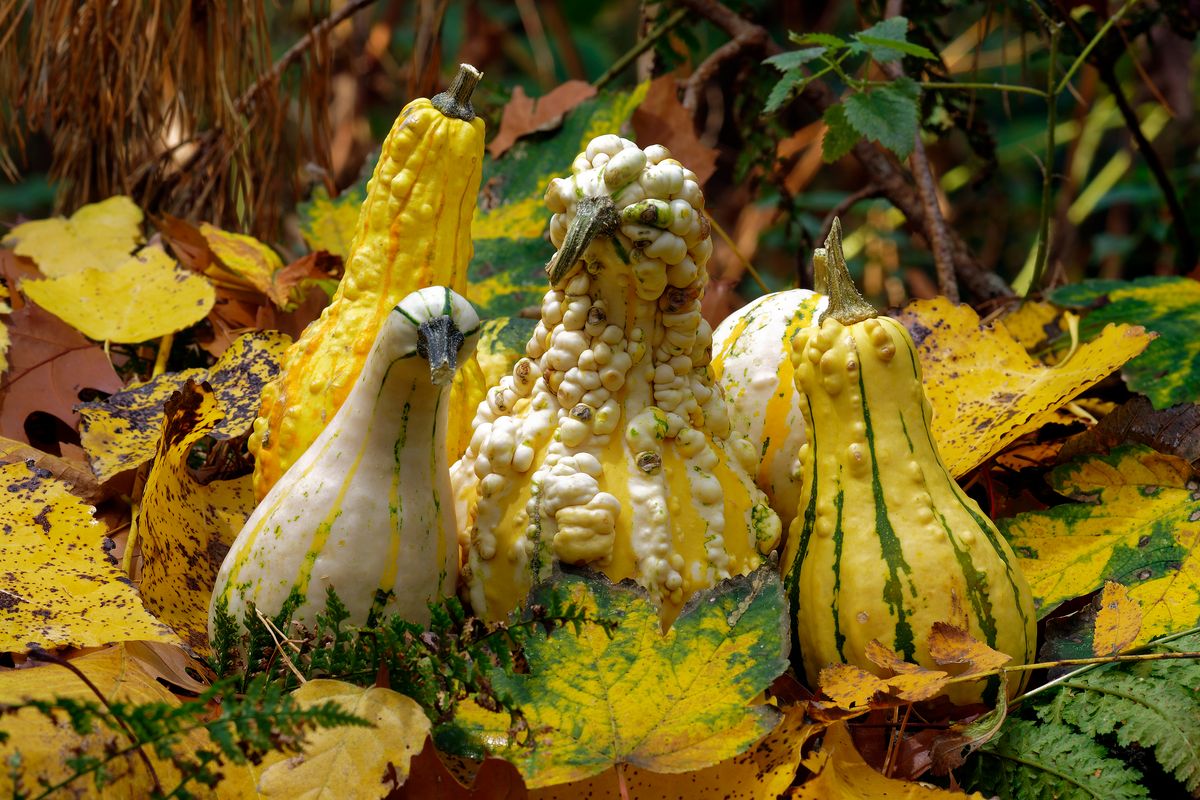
point(609, 444)
point(414, 230)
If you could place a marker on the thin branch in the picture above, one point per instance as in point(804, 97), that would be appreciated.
point(1043, 246)
point(1083, 54)
point(709, 66)
point(642, 46)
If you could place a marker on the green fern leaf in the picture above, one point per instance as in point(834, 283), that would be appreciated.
point(1153, 704)
point(1033, 761)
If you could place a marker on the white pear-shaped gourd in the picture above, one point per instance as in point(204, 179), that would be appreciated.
point(367, 509)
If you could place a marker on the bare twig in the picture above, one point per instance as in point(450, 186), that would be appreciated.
point(753, 40)
point(536, 34)
point(1043, 247)
point(643, 45)
point(881, 168)
point(848, 202)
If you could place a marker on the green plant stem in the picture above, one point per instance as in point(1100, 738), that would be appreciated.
point(643, 44)
point(1043, 247)
point(1082, 57)
point(951, 85)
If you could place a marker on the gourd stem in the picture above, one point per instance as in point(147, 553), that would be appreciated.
point(456, 101)
point(594, 216)
point(846, 305)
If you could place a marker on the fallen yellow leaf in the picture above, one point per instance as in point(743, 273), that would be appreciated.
point(842, 774)
point(986, 390)
point(347, 763)
point(58, 586)
point(245, 259)
point(5, 308)
point(146, 297)
point(184, 528)
point(97, 236)
point(1118, 622)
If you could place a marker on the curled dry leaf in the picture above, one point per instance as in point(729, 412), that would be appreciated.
point(75, 476)
point(58, 584)
point(1175, 431)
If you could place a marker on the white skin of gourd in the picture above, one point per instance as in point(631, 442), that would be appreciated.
point(352, 465)
point(749, 373)
point(659, 370)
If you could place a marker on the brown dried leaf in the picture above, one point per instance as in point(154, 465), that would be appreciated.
point(524, 115)
point(1174, 430)
point(1118, 622)
point(661, 118)
point(950, 644)
point(849, 686)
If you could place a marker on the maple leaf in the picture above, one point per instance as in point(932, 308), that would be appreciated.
point(185, 528)
point(144, 298)
point(347, 763)
point(1138, 524)
point(58, 585)
point(985, 388)
point(97, 236)
point(673, 702)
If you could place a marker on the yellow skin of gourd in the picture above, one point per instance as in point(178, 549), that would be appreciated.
point(414, 230)
point(867, 430)
point(676, 523)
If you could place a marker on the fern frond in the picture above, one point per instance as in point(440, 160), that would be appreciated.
point(1032, 761)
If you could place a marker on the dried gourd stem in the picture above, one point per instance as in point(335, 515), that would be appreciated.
point(597, 216)
point(456, 101)
point(846, 305)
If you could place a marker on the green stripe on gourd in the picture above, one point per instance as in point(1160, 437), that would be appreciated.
point(887, 543)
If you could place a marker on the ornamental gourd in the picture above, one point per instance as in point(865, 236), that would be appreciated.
point(367, 509)
point(609, 445)
point(752, 362)
point(414, 230)
point(885, 542)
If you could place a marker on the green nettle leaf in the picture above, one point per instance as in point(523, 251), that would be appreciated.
point(673, 702)
point(786, 62)
point(781, 92)
point(887, 40)
point(1151, 704)
point(1029, 761)
point(840, 136)
point(823, 39)
point(1169, 371)
point(887, 114)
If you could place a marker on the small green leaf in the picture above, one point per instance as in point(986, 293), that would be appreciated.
point(786, 62)
point(887, 40)
point(823, 39)
point(781, 92)
point(840, 137)
point(887, 114)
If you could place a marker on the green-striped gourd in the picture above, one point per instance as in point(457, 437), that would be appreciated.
point(885, 542)
point(367, 509)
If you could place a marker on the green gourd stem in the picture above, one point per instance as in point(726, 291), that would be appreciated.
point(832, 277)
point(595, 216)
point(456, 101)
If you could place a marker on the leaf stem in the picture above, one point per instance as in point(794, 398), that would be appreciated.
point(745, 263)
point(1043, 247)
point(1100, 34)
point(948, 85)
point(643, 44)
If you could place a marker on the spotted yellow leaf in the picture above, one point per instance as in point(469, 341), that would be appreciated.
point(329, 223)
point(1138, 524)
point(58, 585)
point(842, 774)
point(146, 297)
point(347, 763)
point(1118, 622)
point(97, 236)
point(122, 432)
point(5, 308)
point(44, 745)
point(185, 528)
point(674, 702)
point(985, 388)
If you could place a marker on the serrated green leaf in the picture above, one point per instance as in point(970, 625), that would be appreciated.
point(786, 62)
point(507, 271)
point(781, 92)
point(883, 40)
point(840, 136)
point(886, 47)
point(817, 38)
point(1032, 761)
point(1138, 524)
point(673, 702)
point(887, 114)
point(1169, 371)
point(1151, 704)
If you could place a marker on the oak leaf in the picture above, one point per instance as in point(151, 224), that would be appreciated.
point(675, 702)
point(97, 236)
point(185, 528)
point(146, 297)
point(1138, 524)
point(58, 585)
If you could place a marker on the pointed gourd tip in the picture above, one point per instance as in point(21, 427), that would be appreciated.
point(594, 216)
point(456, 101)
point(846, 305)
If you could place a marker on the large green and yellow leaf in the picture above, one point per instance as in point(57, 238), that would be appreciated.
point(145, 297)
point(186, 528)
point(674, 702)
point(1169, 371)
point(58, 585)
point(985, 388)
point(329, 223)
point(507, 272)
point(1137, 524)
point(97, 236)
point(123, 431)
